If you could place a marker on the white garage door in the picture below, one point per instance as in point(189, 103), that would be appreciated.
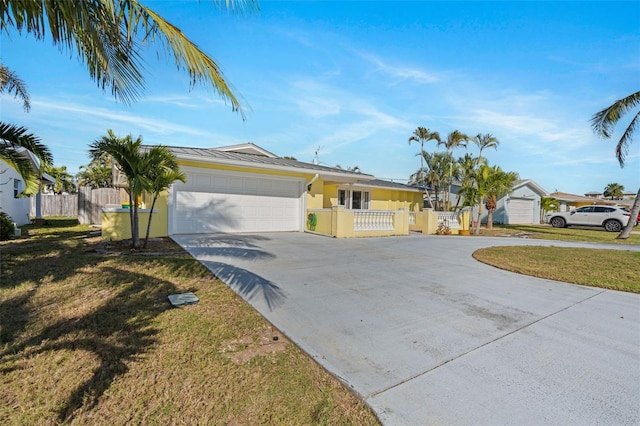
point(520, 211)
point(235, 202)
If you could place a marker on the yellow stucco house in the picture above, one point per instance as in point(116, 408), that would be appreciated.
point(245, 188)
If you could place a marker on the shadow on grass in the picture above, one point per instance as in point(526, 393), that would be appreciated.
point(116, 332)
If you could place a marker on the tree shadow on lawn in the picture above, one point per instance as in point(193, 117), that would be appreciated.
point(117, 332)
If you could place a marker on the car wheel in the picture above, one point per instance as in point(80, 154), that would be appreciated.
point(612, 226)
point(558, 222)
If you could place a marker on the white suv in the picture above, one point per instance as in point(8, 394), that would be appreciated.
point(612, 218)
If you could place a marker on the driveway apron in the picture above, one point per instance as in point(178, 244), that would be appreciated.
point(427, 335)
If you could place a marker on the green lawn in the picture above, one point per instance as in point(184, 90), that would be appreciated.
point(87, 336)
point(611, 269)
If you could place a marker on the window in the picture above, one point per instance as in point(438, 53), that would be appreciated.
point(342, 197)
point(357, 200)
point(604, 209)
point(585, 209)
point(17, 187)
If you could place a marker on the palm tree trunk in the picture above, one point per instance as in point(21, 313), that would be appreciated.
point(476, 230)
point(632, 219)
point(146, 237)
point(489, 219)
point(131, 218)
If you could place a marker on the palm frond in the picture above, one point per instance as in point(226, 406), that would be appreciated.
point(11, 83)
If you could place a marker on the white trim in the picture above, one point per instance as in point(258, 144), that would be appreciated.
point(247, 148)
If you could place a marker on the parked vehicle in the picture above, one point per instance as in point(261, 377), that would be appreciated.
point(611, 218)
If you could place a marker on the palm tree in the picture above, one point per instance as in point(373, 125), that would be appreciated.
point(97, 174)
point(500, 184)
point(603, 123)
point(613, 190)
point(162, 170)
point(466, 167)
point(15, 145)
point(422, 135)
point(485, 141)
point(10, 82)
point(14, 140)
point(491, 184)
point(131, 162)
point(455, 139)
point(548, 204)
point(63, 180)
point(107, 36)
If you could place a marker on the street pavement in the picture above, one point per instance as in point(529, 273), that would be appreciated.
point(427, 335)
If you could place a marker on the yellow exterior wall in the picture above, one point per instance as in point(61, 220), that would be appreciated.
point(116, 225)
point(315, 197)
point(330, 196)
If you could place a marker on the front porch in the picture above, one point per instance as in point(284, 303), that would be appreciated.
point(340, 222)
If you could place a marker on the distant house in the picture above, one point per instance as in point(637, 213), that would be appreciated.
point(569, 202)
point(521, 206)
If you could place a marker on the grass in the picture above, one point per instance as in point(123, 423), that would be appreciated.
point(611, 269)
point(87, 337)
point(578, 234)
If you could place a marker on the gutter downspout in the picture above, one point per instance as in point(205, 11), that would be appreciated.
point(308, 184)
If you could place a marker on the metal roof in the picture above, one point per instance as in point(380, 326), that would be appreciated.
point(213, 155)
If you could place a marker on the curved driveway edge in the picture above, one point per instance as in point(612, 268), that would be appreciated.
point(427, 335)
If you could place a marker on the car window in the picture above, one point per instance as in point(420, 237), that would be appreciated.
point(585, 209)
point(600, 209)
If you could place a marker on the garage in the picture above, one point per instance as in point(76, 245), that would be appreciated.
point(521, 211)
point(225, 201)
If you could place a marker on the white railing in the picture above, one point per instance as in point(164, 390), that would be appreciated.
point(369, 220)
point(450, 219)
point(412, 218)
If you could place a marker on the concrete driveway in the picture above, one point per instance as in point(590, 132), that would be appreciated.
point(427, 335)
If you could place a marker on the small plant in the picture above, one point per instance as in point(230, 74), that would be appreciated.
point(443, 228)
point(6, 226)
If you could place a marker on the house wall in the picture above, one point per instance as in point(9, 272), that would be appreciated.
point(16, 208)
point(116, 224)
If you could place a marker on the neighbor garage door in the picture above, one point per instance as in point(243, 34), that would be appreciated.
point(520, 211)
point(213, 201)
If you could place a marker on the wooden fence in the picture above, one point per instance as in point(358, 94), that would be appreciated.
point(86, 205)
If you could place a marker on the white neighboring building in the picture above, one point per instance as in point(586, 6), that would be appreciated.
point(520, 207)
point(11, 184)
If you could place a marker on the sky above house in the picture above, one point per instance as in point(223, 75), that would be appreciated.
point(347, 82)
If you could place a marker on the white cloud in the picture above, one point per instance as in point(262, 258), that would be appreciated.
point(400, 72)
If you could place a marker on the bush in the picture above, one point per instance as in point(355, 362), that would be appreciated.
point(6, 226)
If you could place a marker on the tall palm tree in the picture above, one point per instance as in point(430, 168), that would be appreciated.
point(107, 36)
point(162, 170)
point(455, 139)
point(613, 190)
point(485, 141)
point(423, 135)
point(603, 123)
point(466, 167)
point(131, 162)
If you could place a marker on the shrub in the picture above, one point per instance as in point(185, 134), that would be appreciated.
point(6, 226)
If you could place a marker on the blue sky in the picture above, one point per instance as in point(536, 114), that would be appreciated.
point(355, 78)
